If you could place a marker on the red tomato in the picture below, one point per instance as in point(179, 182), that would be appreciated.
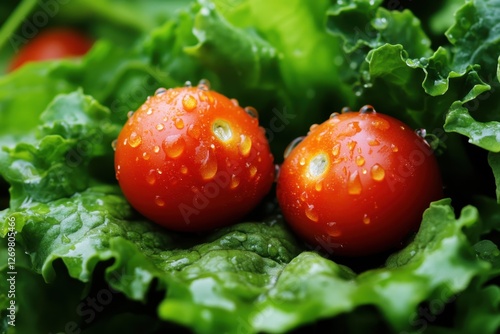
point(52, 44)
point(358, 183)
point(191, 159)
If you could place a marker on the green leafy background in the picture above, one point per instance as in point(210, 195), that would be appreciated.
point(87, 262)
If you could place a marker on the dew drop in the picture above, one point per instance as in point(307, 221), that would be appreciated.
point(174, 145)
point(360, 160)
point(179, 123)
point(222, 130)
point(377, 172)
point(159, 201)
point(394, 148)
point(354, 186)
point(318, 165)
point(345, 109)
point(149, 112)
point(292, 145)
point(160, 127)
point(151, 178)
point(208, 167)
point(302, 161)
point(312, 127)
point(252, 112)
point(130, 113)
point(303, 196)
point(235, 182)
point(184, 169)
point(351, 145)
point(145, 155)
point(245, 145)
point(421, 133)
point(156, 149)
point(318, 186)
point(189, 102)
point(113, 144)
point(134, 140)
point(188, 84)
point(253, 171)
point(381, 124)
point(311, 214)
point(204, 84)
point(160, 91)
point(194, 131)
point(366, 219)
point(333, 230)
point(336, 150)
point(235, 102)
point(373, 142)
point(367, 109)
point(334, 115)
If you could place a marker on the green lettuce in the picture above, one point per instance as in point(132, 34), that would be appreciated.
point(98, 266)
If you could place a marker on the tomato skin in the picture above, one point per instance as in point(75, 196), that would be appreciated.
point(201, 161)
point(52, 44)
point(358, 184)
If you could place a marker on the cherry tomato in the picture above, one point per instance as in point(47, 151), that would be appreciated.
point(191, 159)
point(358, 183)
point(52, 44)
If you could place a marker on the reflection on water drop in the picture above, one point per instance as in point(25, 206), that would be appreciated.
point(134, 140)
point(354, 186)
point(311, 214)
point(189, 102)
point(160, 91)
point(377, 172)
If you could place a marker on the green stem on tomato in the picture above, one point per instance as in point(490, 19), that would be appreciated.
point(15, 20)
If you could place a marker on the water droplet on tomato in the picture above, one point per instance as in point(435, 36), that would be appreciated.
point(159, 201)
point(311, 214)
point(351, 144)
point(189, 102)
point(149, 112)
point(184, 169)
point(208, 167)
point(160, 127)
point(394, 148)
point(245, 145)
point(360, 160)
point(303, 196)
point(292, 145)
point(188, 84)
point(235, 182)
point(156, 149)
point(252, 112)
point(174, 145)
point(381, 124)
point(318, 186)
point(345, 109)
point(377, 172)
point(179, 123)
point(367, 109)
point(145, 155)
point(334, 115)
point(204, 84)
point(113, 144)
point(235, 102)
point(222, 130)
point(336, 150)
point(160, 91)
point(312, 127)
point(134, 140)
point(366, 219)
point(318, 165)
point(253, 171)
point(302, 161)
point(151, 177)
point(333, 230)
point(130, 113)
point(194, 131)
point(354, 186)
point(373, 142)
